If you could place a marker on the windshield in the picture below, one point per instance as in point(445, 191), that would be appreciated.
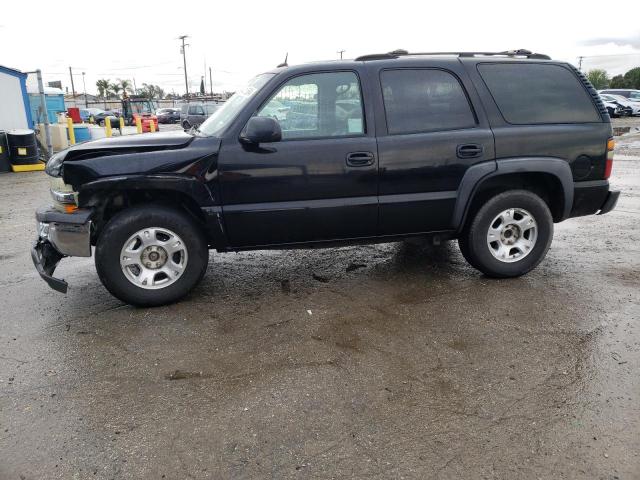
point(221, 118)
point(635, 96)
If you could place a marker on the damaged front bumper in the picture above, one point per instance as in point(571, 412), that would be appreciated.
point(60, 235)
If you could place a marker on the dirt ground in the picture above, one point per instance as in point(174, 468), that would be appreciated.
point(386, 361)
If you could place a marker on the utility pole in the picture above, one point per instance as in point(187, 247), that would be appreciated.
point(73, 88)
point(84, 86)
point(135, 88)
point(341, 52)
point(580, 63)
point(184, 60)
point(210, 82)
point(45, 113)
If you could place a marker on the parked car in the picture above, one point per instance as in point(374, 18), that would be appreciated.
point(84, 114)
point(629, 107)
point(168, 115)
point(473, 147)
point(614, 109)
point(629, 93)
point(99, 115)
point(193, 114)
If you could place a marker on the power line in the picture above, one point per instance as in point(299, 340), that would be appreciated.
point(611, 55)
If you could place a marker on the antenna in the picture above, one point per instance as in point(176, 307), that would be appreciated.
point(284, 64)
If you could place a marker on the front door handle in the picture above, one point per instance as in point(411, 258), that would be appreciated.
point(360, 159)
point(469, 150)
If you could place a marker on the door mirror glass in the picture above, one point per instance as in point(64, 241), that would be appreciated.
point(261, 130)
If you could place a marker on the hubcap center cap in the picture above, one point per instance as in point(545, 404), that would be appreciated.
point(153, 257)
point(510, 234)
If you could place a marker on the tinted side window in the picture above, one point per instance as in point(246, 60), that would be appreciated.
point(318, 105)
point(424, 101)
point(538, 93)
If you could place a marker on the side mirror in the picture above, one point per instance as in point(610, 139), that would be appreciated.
point(261, 130)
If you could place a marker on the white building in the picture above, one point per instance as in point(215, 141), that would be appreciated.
point(14, 101)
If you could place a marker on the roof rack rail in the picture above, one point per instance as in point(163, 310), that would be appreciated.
point(506, 53)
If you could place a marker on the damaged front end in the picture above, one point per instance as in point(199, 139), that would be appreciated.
point(60, 235)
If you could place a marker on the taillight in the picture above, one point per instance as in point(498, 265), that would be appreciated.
point(609, 165)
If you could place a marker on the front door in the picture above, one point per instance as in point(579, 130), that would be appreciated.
point(319, 182)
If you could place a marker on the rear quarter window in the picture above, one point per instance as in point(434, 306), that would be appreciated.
point(537, 93)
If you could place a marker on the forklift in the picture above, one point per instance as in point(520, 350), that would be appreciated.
point(134, 107)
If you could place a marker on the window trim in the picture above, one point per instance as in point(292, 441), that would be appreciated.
point(418, 132)
point(279, 87)
point(578, 80)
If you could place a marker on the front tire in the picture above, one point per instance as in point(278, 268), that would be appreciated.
point(151, 255)
point(509, 235)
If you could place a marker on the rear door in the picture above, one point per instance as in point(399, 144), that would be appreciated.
point(429, 135)
point(320, 181)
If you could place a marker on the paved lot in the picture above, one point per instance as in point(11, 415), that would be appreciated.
point(388, 361)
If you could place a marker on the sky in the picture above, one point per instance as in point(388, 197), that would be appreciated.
point(139, 40)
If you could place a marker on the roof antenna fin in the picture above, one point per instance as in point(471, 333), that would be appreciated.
point(284, 64)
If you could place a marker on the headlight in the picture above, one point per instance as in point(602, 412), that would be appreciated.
point(55, 164)
point(63, 195)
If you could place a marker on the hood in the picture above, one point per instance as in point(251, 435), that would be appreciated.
point(145, 142)
point(145, 154)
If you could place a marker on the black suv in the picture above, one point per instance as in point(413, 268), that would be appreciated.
point(488, 148)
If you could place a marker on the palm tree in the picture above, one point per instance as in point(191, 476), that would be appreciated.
point(115, 88)
point(125, 86)
point(103, 86)
point(151, 91)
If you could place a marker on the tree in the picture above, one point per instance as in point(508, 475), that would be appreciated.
point(115, 88)
point(618, 82)
point(632, 78)
point(125, 86)
point(103, 87)
point(598, 78)
point(151, 91)
point(201, 85)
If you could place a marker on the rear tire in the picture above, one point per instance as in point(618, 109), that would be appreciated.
point(140, 244)
point(509, 235)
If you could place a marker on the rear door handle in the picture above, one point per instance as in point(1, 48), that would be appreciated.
point(469, 150)
point(360, 159)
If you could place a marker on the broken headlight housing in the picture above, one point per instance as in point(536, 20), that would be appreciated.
point(54, 164)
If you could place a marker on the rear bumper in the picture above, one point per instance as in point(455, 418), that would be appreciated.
point(610, 203)
point(593, 197)
point(60, 235)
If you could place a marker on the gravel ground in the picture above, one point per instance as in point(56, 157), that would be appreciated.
point(386, 361)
